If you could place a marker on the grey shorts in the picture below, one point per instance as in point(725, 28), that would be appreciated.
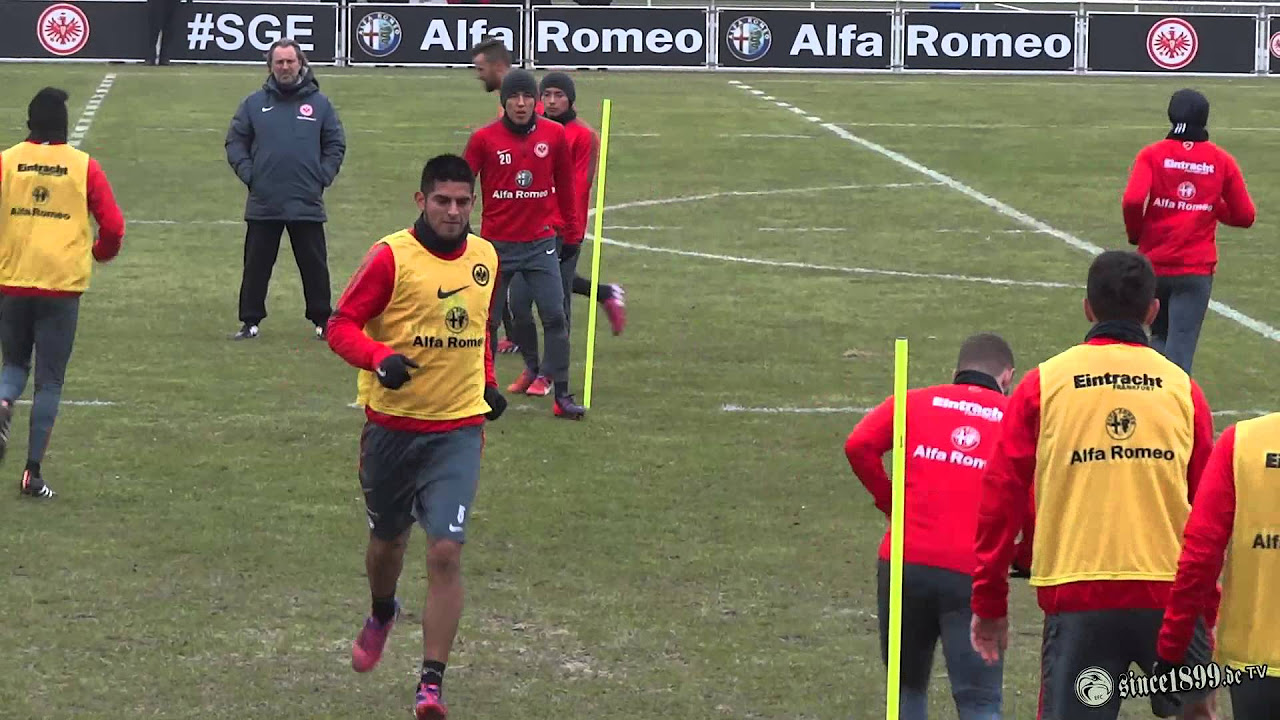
point(428, 477)
point(1106, 640)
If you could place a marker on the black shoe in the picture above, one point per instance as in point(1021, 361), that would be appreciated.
point(321, 333)
point(247, 332)
point(568, 408)
point(6, 417)
point(34, 486)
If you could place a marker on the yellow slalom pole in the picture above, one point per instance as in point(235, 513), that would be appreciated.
point(896, 523)
point(595, 251)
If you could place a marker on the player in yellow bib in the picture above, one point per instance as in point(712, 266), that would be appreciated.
point(50, 193)
point(1235, 522)
point(415, 320)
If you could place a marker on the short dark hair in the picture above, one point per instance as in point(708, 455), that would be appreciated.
point(985, 352)
point(493, 49)
point(446, 168)
point(283, 43)
point(1121, 286)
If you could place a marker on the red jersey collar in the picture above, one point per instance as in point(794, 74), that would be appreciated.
point(50, 142)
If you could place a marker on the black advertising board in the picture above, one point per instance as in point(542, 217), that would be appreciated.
point(1172, 43)
point(1010, 41)
point(242, 31)
point(87, 30)
point(619, 37)
point(817, 39)
point(399, 34)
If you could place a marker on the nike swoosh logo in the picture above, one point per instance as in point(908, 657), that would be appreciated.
point(440, 293)
point(382, 373)
point(273, 107)
point(551, 251)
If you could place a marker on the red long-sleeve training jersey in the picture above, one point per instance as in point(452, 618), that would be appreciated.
point(103, 207)
point(1208, 532)
point(951, 432)
point(1009, 481)
point(364, 299)
point(1191, 187)
point(584, 149)
point(526, 181)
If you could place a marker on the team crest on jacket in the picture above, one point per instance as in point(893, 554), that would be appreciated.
point(541, 150)
point(524, 178)
point(306, 110)
point(480, 273)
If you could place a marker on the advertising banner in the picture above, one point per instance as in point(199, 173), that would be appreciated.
point(815, 39)
point(87, 30)
point(242, 31)
point(1273, 44)
point(620, 37)
point(398, 34)
point(1010, 41)
point(1172, 43)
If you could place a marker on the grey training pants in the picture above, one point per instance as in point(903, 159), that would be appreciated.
point(1184, 300)
point(47, 327)
point(538, 265)
point(526, 334)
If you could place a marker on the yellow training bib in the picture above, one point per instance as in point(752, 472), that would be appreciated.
point(46, 239)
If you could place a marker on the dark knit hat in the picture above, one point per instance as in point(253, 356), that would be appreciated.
point(561, 82)
point(47, 115)
point(518, 81)
point(1189, 116)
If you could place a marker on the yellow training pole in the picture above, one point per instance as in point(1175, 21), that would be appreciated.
point(595, 251)
point(896, 523)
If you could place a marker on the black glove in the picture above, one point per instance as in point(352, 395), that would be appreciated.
point(1164, 704)
point(393, 371)
point(496, 402)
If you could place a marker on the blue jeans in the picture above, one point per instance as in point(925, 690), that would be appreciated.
point(935, 605)
point(1184, 300)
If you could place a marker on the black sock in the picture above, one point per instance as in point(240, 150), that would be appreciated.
point(604, 292)
point(384, 608)
point(432, 673)
point(34, 467)
point(562, 388)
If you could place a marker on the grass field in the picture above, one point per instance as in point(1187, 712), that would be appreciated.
point(665, 558)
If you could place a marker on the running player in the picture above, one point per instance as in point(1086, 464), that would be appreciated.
point(421, 301)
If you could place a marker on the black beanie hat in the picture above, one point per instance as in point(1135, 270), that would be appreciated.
point(518, 81)
point(561, 82)
point(47, 115)
point(1189, 115)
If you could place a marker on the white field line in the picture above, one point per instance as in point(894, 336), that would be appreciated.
point(1263, 329)
point(802, 229)
point(1024, 126)
point(823, 410)
point(1011, 82)
point(624, 134)
point(80, 403)
point(185, 222)
point(975, 231)
point(644, 227)
point(90, 110)
point(233, 74)
point(779, 136)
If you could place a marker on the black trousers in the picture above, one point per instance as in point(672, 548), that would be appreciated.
point(159, 17)
point(262, 245)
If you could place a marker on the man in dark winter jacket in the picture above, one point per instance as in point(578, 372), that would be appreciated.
point(286, 144)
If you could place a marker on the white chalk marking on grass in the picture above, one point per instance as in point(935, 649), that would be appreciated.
point(79, 403)
point(754, 193)
point(1262, 328)
point(821, 410)
point(802, 229)
point(644, 227)
point(90, 110)
point(782, 136)
point(1022, 126)
point(975, 231)
point(837, 268)
point(185, 222)
point(637, 134)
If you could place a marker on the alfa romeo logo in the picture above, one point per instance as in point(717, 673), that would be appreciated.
point(524, 178)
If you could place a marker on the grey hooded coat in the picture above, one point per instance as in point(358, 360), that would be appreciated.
point(286, 145)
